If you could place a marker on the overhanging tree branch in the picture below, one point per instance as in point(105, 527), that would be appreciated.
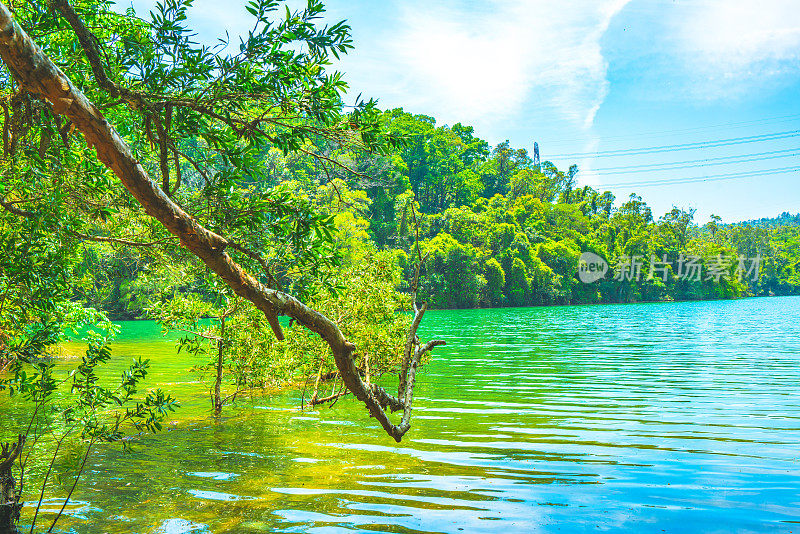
point(37, 74)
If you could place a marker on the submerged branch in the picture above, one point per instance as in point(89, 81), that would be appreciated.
point(332, 397)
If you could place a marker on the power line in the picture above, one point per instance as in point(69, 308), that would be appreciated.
point(685, 146)
point(709, 162)
point(653, 133)
point(709, 178)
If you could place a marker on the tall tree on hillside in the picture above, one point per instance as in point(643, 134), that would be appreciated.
point(497, 171)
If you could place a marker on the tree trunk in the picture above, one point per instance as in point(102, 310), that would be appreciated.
point(10, 504)
point(220, 357)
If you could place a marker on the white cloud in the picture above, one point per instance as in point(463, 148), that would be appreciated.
point(736, 46)
point(483, 63)
point(208, 19)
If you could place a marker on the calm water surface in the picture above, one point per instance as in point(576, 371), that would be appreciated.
point(679, 417)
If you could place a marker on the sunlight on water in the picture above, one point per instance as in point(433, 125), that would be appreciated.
point(680, 417)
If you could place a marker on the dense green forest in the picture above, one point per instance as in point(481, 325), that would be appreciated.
point(494, 229)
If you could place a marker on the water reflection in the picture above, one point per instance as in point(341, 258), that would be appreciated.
point(180, 526)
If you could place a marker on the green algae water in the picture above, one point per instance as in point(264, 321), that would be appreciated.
point(676, 417)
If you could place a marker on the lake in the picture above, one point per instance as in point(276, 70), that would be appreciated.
point(675, 417)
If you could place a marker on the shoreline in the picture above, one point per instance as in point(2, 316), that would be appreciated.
point(562, 305)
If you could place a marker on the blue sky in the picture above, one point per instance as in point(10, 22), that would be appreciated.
point(589, 76)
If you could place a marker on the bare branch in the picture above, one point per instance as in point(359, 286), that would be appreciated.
point(336, 163)
point(163, 154)
point(386, 400)
point(122, 241)
point(191, 161)
point(411, 341)
point(332, 397)
point(11, 208)
point(178, 174)
point(72, 489)
point(10, 452)
point(88, 43)
point(430, 345)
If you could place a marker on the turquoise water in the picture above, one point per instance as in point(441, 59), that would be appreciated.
point(676, 417)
